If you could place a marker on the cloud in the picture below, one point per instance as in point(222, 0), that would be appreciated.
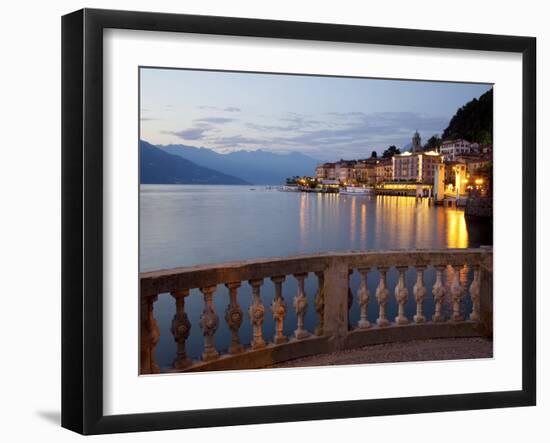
point(196, 133)
point(216, 108)
point(371, 129)
point(202, 128)
point(236, 140)
point(346, 114)
point(328, 136)
point(302, 121)
point(350, 134)
point(215, 120)
point(290, 122)
point(267, 128)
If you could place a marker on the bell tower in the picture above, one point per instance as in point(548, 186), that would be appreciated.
point(416, 143)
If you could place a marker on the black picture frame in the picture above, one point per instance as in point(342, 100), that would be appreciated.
point(82, 219)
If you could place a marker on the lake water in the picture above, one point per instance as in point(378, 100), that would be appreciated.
point(184, 225)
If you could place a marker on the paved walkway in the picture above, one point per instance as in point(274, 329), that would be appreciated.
point(417, 350)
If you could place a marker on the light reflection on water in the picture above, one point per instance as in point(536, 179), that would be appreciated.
point(189, 225)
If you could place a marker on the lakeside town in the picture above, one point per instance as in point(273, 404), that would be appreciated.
point(446, 172)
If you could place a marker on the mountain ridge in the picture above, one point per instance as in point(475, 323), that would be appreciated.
point(159, 167)
point(256, 166)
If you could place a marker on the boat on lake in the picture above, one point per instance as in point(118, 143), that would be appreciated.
point(354, 190)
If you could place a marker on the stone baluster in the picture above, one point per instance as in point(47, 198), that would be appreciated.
point(234, 317)
point(457, 294)
point(180, 328)
point(278, 309)
point(475, 288)
point(256, 312)
point(382, 296)
point(300, 306)
point(149, 335)
point(438, 292)
point(319, 302)
point(209, 324)
point(401, 296)
point(419, 292)
point(363, 297)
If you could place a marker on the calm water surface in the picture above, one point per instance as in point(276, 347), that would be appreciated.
point(184, 225)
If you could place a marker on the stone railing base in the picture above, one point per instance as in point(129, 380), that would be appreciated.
point(357, 338)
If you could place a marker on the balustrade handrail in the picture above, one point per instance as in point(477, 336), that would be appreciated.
point(190, 277)
point(332, 303)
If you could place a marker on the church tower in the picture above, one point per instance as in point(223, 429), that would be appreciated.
point(416, 143)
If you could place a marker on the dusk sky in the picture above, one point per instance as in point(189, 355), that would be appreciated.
point(327, 118)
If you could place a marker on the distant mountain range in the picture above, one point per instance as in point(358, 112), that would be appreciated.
point(257, 167)
point(159, 167)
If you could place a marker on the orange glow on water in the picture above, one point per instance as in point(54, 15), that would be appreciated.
point(457, 233)
point(382, 222)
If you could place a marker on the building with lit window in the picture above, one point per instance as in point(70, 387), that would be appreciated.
point(383, 170)
point(474, 162)
point(326, 171)
point(450, 149)
point(364, 171)
point(416, 167)
point(344, 170)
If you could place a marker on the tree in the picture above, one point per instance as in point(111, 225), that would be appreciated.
point(433, 143)
point(473, 121)
point(374, 154)
point(391, 151)
point(292, 180)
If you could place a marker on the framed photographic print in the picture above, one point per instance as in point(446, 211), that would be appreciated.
point(270, 221)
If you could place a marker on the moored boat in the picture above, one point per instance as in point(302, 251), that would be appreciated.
point(355, 190)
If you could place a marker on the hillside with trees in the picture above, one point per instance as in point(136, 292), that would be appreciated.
point(473, 121)
point(433, 143)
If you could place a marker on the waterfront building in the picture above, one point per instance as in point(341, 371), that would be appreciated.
point(450, 171)
point(411, 189)
point(415, 167)
point(326, 171)
point(344, 170)
point(364, 171)
point(461, 179)
point(383, 170)
point(474, 162)
point(450, 149)
point(320, 173)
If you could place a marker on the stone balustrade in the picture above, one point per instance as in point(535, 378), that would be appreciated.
point(331, 303)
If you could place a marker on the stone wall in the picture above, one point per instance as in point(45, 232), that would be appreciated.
point(479, 207)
